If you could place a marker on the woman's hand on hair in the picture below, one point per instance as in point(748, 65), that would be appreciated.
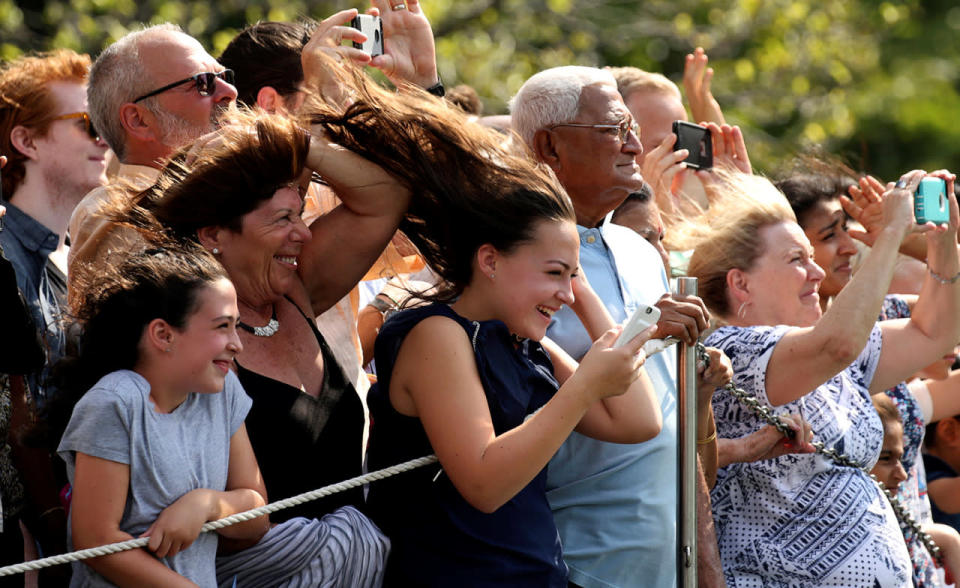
point(409, 53)
point(696, 84)
point(608, 370)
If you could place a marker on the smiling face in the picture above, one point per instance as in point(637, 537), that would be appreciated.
point(202, 352)
point(535, 279)
point(889, 468)
point(825, 225)
point(784, 281)
point(262, 259)
point(70, 162)
point(597, 169)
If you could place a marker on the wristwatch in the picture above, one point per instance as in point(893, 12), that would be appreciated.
point(437, 89)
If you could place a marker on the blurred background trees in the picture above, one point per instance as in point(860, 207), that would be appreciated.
point(875, 82)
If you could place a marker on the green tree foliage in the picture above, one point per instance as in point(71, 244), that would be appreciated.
point(873, 81)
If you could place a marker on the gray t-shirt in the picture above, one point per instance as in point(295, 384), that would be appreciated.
point(168, 454)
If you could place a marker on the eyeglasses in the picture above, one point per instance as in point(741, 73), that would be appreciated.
point(87, 124)
point(623, 128)
point(206, 83)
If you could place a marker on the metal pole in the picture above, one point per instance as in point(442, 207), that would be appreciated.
point(686, 455)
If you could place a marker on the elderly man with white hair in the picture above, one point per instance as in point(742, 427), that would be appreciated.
point(615, 505)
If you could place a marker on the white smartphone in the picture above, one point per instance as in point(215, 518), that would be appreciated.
point(373, 29)
point(642, 318)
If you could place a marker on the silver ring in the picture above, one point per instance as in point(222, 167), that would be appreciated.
point(901, 183)
point(400, 6)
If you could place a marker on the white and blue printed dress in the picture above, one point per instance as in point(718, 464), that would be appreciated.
point(801, 521)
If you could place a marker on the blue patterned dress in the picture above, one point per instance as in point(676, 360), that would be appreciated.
point(801, 520)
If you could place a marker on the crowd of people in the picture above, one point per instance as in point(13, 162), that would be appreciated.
point(231, 281)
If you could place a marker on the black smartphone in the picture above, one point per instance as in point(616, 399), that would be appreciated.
point(697, 141)
point(372, 27)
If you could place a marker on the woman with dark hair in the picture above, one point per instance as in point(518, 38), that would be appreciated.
point(241, 199)
point(804, 520)
point(467, 376)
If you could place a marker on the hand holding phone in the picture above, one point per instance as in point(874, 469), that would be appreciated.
point(372, 27)
point(697, 141)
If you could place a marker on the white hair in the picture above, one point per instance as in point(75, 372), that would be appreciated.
point(552, 97)
point(118, 76)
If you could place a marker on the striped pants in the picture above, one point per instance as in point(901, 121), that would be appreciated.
point(343, 548)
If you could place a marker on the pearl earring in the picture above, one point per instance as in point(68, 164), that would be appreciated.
point(215, 251)
point(492, 275)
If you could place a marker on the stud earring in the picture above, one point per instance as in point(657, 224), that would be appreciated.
point(215, 251)
point(492, 275)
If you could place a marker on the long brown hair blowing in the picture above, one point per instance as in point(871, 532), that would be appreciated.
point(728, 236)
point(467, 188)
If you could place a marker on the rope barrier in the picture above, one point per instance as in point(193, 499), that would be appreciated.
point(233, 519)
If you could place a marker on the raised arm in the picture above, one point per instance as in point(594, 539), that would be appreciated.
point(805, 358)
point(347, 240)
point(932, 330)
point(696, 83)
point(435, 379)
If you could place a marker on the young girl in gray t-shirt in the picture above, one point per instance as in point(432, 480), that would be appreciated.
point(156, 445)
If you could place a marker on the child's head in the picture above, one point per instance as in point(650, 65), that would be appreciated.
point(151, 294)
point(889, 469)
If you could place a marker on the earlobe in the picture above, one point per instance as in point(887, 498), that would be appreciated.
point(269, 100)
point(159, 335)
point(135, 123)
point(487, 256)
point(209, 238)
point(21, 139)
point(545, 148)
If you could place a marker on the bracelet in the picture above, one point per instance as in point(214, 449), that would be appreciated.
point(942, 279)
point(709, 439)
point(51, 510)
point(381, 305)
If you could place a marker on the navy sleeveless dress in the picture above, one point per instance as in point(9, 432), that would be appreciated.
point(438, 539)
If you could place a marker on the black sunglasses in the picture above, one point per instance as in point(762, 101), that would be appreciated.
point(87, 123)
point(206, 82)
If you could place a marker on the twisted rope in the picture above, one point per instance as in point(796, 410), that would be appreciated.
point(234, 519)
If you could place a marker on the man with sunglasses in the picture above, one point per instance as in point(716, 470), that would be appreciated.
point(151, 92)
point(615, 505)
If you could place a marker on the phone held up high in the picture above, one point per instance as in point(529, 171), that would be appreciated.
point(697, 141)
point(372, 27)
point(930, 202)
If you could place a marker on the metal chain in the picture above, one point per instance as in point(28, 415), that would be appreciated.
point(909, 526)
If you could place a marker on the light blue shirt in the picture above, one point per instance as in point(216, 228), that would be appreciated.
point(615, 505)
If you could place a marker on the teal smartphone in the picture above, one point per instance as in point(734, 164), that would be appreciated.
point(930, 202)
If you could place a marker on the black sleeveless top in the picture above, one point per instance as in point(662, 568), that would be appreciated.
point(303, 442)
point(437, 538)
